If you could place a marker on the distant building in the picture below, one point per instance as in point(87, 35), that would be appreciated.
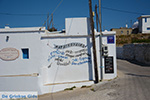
point(122, 31)
point(144, 24)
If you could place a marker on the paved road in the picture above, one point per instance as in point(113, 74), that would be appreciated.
point(133, 83)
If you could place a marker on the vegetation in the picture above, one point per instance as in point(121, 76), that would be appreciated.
point(52, 29)
point(70, 88)
point(92, 89)
point(133, 38)
point(84, 86)
point(141, 41)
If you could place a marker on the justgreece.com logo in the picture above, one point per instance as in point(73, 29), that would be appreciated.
point(18, 95)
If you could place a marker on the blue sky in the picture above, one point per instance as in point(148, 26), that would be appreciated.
point(18, 13)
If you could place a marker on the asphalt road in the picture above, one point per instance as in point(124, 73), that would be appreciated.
point(133, 83)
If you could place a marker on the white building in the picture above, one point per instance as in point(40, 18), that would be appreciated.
point(32, 59)
point(144, 24)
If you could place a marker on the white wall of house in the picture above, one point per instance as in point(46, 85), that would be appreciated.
point(18, 74)
point(56, 61)
point(77, 26)
point(68, 64)
point(107, 35)
point(144, 24)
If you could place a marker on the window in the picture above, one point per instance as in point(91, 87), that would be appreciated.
point(145, 20)
point(148, 28)
point(127, 32)
point(121, 32)
point(25, 53)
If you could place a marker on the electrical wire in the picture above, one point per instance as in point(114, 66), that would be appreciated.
point(1, 13)
point(53, 12)
point(22, 14)
point(124, 11)
point(12, 14)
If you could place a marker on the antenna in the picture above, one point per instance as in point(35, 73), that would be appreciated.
point(48, 21)
point(131, 23)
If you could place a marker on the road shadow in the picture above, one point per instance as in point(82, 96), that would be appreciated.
point(137, 63)
point(130, 74)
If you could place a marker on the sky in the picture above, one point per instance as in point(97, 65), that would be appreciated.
point(33, 13)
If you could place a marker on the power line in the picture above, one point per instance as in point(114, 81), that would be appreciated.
point(53, 11)
point(11, 14)
point(123, 11)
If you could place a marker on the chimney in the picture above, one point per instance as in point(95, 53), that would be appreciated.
point(7, 26)
point(126, 25)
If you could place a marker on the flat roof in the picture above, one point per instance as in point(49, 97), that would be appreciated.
point(143, 16)
point(22, 29)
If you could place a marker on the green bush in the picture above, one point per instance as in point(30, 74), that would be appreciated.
point(140, 41)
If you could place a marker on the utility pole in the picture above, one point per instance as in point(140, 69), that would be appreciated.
point(96, 17)
point(131, 23)
point(47, 22)
point(52, 21)
point(100, 38)
point(94, 44)
point(100, 16)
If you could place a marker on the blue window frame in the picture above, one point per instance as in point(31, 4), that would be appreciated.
point(145, 20)
point(148, 28)
point(25, 53)
point(121, 32)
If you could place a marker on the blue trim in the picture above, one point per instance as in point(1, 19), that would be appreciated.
point(148, 28)
point(110, 39)
point(25, 53)
point(145, 20)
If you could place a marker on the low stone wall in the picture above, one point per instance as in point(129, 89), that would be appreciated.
point(128, 52)
point(137, 52)
point(119, 52)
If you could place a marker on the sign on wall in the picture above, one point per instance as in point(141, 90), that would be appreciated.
point(9, 54)
point(110, 39)
point(109, 65)
point(64, 56)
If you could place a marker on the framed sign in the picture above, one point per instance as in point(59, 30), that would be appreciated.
point(110, 39)
point(9, 54)
point(109, 65)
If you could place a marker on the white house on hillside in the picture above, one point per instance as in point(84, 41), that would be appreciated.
point(144, 24)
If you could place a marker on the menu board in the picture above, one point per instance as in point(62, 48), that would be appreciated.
point(109, 66)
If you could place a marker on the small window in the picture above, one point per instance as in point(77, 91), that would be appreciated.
point(25, 53)
point(145, 20)
point(127, 32)
point(121, 32)
point(148, 28)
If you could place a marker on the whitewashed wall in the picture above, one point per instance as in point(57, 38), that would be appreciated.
point(60, 67)
point(77, 26)
point(111, 53)
point(20, 66)
point(57, 66)
point(143, 25)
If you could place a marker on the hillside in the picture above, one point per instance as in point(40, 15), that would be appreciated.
point(133, 38)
